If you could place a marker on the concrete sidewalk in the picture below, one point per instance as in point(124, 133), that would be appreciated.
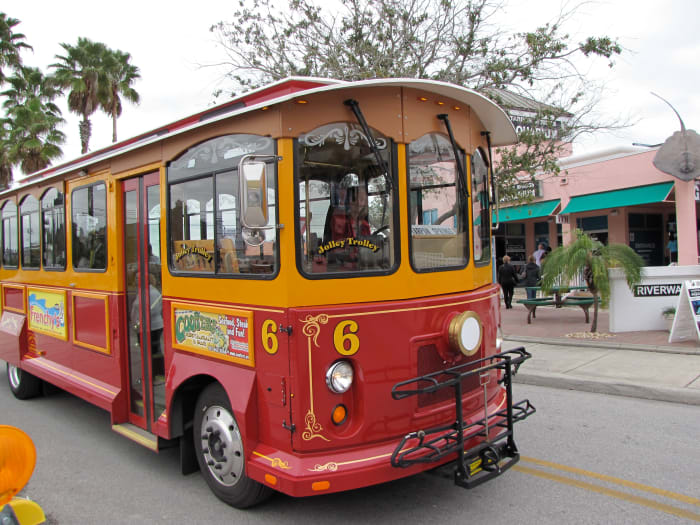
point(567, 355)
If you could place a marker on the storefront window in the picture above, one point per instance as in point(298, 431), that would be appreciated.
point(541, 233)
point(596, 227)
point(647, 237)
point(345, 202)
point(440, 242)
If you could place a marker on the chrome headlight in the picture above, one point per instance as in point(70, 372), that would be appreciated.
point(339, 377)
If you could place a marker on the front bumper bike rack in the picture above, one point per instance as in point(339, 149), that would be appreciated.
point(494, 454)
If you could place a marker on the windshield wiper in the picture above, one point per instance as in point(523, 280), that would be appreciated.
point(458, 158)
point(355, 106)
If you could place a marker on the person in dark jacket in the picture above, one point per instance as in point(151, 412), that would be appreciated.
point(531, 276)
point(507, 278)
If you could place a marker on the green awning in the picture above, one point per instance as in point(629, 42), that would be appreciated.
point(619, 198)
point(531, 210)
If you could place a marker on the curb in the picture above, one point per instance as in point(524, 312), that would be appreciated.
point(686, 396)
point(603, 344)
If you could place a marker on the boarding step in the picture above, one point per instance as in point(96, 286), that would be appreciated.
point(138, 435)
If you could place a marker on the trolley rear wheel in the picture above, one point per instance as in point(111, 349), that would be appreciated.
point(219, 449)
point(23, 384)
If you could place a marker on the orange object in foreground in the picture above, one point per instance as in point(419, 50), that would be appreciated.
point(17, 460)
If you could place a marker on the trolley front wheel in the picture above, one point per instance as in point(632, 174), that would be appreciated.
point(219, 448)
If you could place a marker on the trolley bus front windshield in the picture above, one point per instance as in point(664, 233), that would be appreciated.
point(345, 203)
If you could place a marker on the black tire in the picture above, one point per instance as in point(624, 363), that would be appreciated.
point(219, 448)
point(23, 384)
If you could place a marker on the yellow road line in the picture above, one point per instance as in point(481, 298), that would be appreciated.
point(630, 484)
point(610, 492)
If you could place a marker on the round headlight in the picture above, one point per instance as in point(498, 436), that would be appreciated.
point(465, 332)
point(339, 377)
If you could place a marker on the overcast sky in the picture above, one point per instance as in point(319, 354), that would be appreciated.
point(169, 40)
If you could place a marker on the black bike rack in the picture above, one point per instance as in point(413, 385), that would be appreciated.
point(494, 455)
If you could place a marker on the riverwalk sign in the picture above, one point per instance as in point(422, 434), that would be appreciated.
point(657, 290)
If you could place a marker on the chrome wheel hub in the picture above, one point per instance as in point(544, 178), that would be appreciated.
point(13, 374)
point(222, 446)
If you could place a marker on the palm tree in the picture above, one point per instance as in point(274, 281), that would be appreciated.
point(27, 83)
point(11, 44)
point(82, 71)
point(120, 75)
point(32, 135)
point(5, 164)
point(593, 259)
point(34, 138)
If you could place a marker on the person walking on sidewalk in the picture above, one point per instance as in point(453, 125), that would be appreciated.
point(507, 278)
point(538, 253)
point(531, 276)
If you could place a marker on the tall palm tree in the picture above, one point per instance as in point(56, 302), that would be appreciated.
point(34, 138)
point(82, 71)
point(120, 75)
point(11, 44)
point(591, 258)
point(32, 135)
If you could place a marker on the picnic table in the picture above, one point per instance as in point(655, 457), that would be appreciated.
point(557, 300)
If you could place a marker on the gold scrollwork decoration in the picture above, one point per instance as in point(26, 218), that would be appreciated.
point(31, 342)
point(274, 462)
point(312, 326)
point(328, 467)
point(313, 428)
point(277, 462)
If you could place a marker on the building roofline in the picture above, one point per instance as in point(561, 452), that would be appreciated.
point(601, 155)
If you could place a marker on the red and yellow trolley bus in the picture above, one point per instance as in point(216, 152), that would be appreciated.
point(295, 287)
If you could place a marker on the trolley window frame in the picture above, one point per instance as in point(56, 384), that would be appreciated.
point(212, 174)
point(392, 164)
point(465, 212)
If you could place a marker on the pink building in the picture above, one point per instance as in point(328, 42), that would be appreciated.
point(616, 195)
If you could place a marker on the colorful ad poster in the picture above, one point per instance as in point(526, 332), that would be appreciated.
point(47, 313)
point(220, 333)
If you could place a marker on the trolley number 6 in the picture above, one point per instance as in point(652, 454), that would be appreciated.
point(345, 339)
point(269, 336)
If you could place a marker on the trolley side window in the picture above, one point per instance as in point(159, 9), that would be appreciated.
point(89, 224)
point(10, 241)
point(345, 205)
point(481, 225)
point(437, 211)
point(206, 234)
point(29, 219)
point(53, 230)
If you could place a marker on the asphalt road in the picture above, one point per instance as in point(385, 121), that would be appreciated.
point(587, 458)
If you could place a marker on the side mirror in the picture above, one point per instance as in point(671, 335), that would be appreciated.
point(253, 191)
